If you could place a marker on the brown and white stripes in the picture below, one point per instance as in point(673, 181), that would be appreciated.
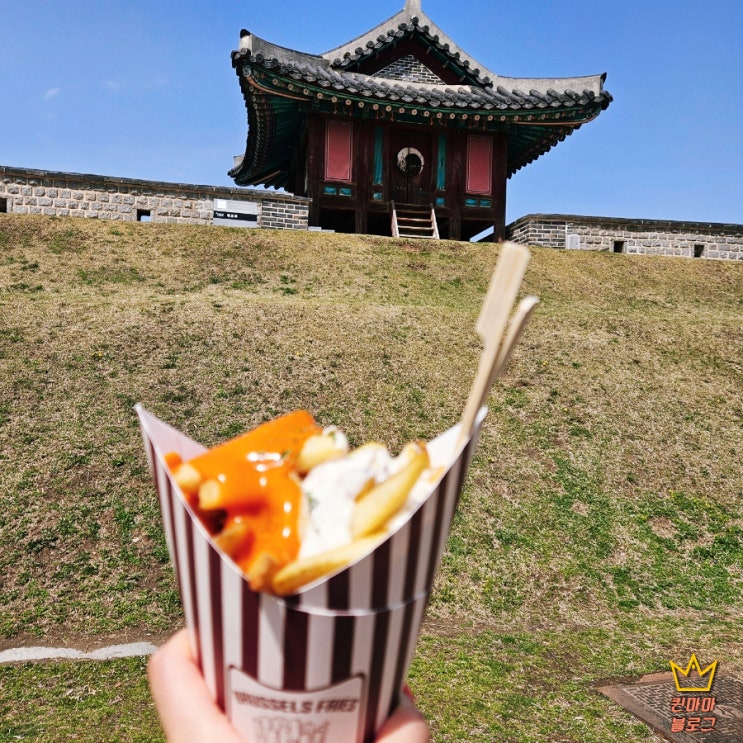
point(327, 664)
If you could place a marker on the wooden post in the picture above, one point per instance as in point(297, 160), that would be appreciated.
point(363, 173)
point(315, 164)
point(500, 178)
point(456, 154)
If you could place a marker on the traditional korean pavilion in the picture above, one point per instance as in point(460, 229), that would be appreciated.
point(399, 131)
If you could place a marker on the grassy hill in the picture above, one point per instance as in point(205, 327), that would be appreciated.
point(601, 531)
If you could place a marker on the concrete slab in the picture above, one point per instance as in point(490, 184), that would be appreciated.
point(32, 654)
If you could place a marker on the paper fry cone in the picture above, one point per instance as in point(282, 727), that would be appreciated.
point(327, 664)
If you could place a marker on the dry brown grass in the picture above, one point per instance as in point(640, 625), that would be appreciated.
point(603, 515)
point(627, 385)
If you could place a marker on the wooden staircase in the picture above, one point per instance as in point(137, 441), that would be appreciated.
point(414, 220)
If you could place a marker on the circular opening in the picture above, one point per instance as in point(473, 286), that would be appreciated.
point(410, 161)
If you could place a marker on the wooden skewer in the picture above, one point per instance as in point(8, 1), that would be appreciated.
point(515, 330)
point(504, 285)
point(491, 324)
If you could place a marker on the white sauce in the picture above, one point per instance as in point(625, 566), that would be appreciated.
point(330, 492)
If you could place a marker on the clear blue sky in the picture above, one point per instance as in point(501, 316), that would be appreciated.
point(146, 90)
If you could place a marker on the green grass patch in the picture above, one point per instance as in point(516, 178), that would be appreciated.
point(88, 701)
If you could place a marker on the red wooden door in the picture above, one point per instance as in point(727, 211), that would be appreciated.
point(411, 167)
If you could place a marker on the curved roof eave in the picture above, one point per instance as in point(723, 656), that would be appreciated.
point(580, 99)
point(254, 46)
point(517, 94)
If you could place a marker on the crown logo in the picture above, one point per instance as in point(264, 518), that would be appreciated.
point(679, 672)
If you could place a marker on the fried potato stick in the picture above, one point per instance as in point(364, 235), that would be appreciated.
point(316, 450)
point(187, 478)
point(261, 572)
point(383, 501)
point(300, 572)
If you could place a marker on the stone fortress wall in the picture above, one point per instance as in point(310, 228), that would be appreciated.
point(27, 191)
point(632, 236)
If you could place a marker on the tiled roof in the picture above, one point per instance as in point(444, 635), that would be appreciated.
point(511, 94)
point(492, 90)
point(537, 112)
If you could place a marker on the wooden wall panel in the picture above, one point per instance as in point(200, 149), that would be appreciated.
point(479, 165)
point(338, 161)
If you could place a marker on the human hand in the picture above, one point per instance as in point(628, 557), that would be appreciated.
point(188, 713)
point(406, 725)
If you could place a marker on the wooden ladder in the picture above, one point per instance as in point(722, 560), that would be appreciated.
point(414, 220)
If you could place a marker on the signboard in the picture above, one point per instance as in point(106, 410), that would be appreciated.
point(229, 213)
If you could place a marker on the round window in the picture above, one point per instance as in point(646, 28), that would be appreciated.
point(410, 161)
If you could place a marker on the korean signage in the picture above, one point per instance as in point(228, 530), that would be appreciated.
point(231, 213)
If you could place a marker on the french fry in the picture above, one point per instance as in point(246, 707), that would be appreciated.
point(300, 572)
point(382, 502)
point(173, 459)
point(318, 449)
point(410, 451)
point(370, 483)
point(370, 445)
point(366, 489)
point(261, 571)
point(210, 495)
point(187, 478)
point(255, 510)
point(235, 536)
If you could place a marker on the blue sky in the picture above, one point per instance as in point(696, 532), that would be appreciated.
point(146, 90)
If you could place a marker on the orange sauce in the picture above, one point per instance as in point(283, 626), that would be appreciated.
point(259, 491)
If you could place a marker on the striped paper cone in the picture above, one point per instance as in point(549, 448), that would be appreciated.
point(327, 664)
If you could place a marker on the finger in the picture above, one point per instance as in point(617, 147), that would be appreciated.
point(406, 725)
point(187, 712)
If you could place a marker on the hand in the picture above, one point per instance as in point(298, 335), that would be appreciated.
point(189, 714)
point(406, 725)
point(187, 711)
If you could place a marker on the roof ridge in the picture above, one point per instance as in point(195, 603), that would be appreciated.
point(413, 16)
